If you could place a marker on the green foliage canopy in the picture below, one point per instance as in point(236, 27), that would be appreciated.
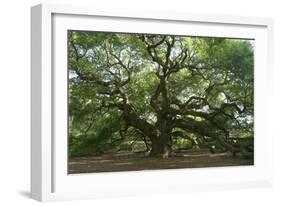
point(136, 87)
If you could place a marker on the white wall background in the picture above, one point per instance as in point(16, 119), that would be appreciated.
point(15, 101)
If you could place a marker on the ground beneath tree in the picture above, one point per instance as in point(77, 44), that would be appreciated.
point(129, 161)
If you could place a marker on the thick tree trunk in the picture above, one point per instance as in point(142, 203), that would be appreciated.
point(161, 147)
point(161, 140)
point(159, 135)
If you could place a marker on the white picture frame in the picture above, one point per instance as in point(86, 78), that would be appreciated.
point(49, 178)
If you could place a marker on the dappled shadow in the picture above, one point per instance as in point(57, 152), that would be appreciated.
point(129, 161)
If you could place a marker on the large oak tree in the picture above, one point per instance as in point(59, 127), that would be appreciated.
point(159, 88)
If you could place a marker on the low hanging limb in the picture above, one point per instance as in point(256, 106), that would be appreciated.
point(203, 128)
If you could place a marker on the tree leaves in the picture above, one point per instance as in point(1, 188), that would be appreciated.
point(109, 72)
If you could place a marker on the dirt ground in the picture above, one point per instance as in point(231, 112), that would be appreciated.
point(128, 161)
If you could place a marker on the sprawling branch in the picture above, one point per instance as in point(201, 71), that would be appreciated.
point(204, 129)
point(135, 121)
point(152, 50)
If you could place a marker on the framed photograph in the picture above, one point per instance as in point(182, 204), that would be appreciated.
point(137, 102)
